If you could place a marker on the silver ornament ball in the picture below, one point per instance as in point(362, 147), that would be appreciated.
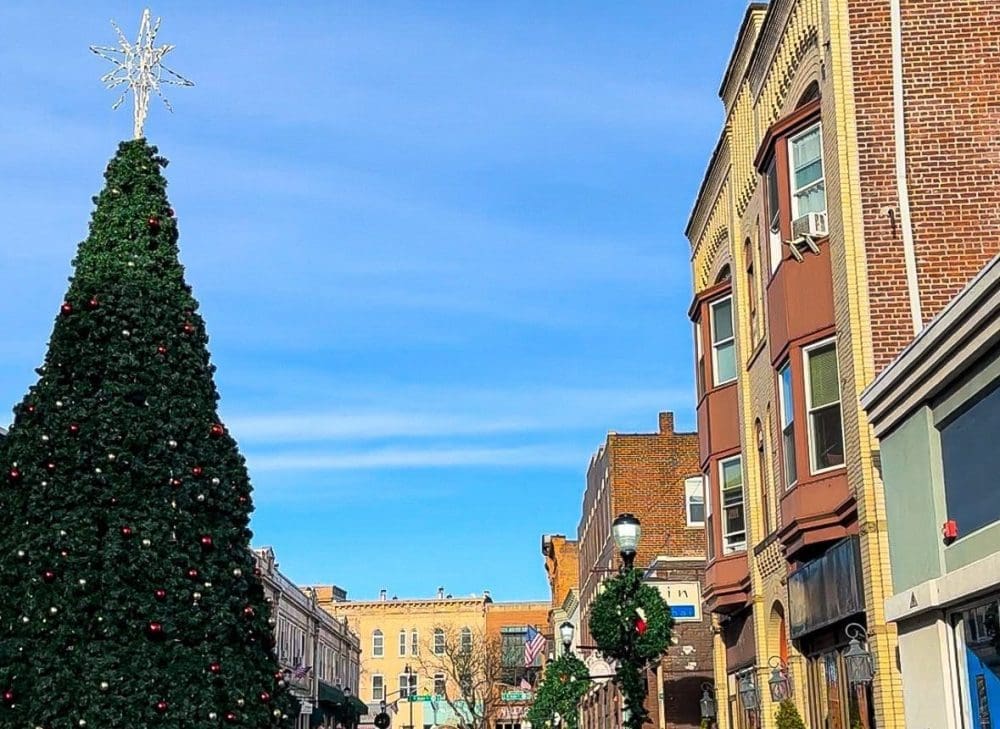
point(172, 443)
point(104, 685)
point(237, 572)
point(146, 542)
point(200, 497)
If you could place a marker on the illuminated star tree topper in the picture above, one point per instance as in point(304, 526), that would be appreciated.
point(139, 68)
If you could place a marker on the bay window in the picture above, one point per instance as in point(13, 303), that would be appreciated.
point(723, 341)
point(734, 529)
point(826, 433)
point(787, 424)
point(694, 501)
point(807, 182)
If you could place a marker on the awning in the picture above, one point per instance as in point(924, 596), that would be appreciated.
point(358, 705)
point(330, 695)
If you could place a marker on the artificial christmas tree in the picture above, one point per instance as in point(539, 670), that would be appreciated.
point(128, 597)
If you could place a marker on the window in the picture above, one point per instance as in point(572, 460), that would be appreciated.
point(438, 642)
point(826, 433)
point(709, 533)
point(700, 356)
point(378, 688)
point(765, 492)
point(694, 501)
point(773, 216)
point(723, 341)
point(414, 643)
point(806, 159)
point(466, 640)
point(751, 287)
point(439, 684)
point(407, 685)
point(734, 529)
point(402, 642)
point(378, 644)
point(787, 424)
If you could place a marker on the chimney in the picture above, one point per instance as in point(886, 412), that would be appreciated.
point(382, 594)
point(486, 596)
point(440, 593)
point(666, 423)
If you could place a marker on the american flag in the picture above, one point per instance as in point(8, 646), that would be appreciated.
point(534, 643)
point(301, 670)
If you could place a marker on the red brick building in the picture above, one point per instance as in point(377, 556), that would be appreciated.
point(656, 477)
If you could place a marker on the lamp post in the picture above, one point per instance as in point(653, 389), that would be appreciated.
point(707, 703)
point(780, 682)
point(749, 693)
point(409, 690)
point(858, 660)
point(566, 632)
point(626, 530)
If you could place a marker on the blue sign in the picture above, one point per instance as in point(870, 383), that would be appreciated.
point(683, 611)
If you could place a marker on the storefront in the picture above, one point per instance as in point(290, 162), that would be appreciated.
point(826, 609)
point(738, 637)
point(977, 642)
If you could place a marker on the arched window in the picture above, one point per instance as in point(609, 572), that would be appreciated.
point(748, 262)
point(765, 491)
point(378, 643)
point(725, 274)
point(810, 94)
point(466, 640)
point(438, 641)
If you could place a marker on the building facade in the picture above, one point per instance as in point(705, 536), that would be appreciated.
point(655, 476)
point(936, 412)
point(832, 223)
point(319, 654)
point(510, 622)
point(562, 567)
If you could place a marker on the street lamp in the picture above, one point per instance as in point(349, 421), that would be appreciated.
point(707, 703)
point(858, 660)
point(566, 631)
point(626, 530)
point(780, 684)
point(749, 694)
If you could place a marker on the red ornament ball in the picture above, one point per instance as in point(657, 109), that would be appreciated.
point(215, 667)
point(176, 482)
point(126, 531)
point(206, 541)
point(63, 553)
point(197, 471)
point(8, 696)
point(66, 308)
point(161, 350)
point(50, 467)
point(160, 594)
point(265, 696)
point(242, 499)
point(48, 575)
point(217, 430)
point(161, 706)
point(188, 328)
point(193, 573)
point(155, 629)
point(74, 428)
point(231, 716)
point(92, 303)
point(31, 410)
point(248, 611)
point(279, 675)
point(154, 223)
point(14, 474)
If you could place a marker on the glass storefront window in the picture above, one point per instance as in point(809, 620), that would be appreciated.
point(977, 630)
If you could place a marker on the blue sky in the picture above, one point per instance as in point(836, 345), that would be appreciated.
point(438, 245)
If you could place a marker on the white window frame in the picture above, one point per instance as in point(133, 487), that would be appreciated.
point(732, 547)
point(414, 642)
point(440, 680)
point(784, 408)
point(694, 488)
point(465, 640)
point(813, 468)
point(794, 191)
point(403, 640)
point(716, 344)
point(773, 236)
point(380, 696)
point(378, 643)
point(439, 642)
point(407, 685)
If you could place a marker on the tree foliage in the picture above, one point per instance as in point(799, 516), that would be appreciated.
point(564, 684)
point(128, 596)
point(788, 716)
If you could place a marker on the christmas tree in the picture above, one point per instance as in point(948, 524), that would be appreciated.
point(128, 596)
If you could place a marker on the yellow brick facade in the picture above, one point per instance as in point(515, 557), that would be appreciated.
point(781, 51)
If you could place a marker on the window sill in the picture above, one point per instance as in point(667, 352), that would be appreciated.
point(717, 388)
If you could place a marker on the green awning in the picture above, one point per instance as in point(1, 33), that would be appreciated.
point(359, 706)
point(330, 695)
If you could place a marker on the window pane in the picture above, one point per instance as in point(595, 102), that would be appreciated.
point(806, 149)
point(828, 437)
point(809, 174)
point(787, 404)
point(772, 197)
point(811, 200)
point(696, 510)
point(823, 385)
point(722, 320)
point(734, 518)
point(725, 362)
point(732, 476)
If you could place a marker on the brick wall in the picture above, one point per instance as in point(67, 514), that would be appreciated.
point(562, 565)
point(951, 62)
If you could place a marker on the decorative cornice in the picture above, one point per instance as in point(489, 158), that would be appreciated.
point(739, 59)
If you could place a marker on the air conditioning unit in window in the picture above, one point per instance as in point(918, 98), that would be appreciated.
point(805, 231)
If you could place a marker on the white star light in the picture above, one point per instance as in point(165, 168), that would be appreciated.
point(139, 67)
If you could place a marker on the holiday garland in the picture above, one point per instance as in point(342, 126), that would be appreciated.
point(564, 684)
point(631, 624)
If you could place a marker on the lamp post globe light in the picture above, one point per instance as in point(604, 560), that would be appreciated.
point(779, 684)
point(626, 530)
point(566, 632)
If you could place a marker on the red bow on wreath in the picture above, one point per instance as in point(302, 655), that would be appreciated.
point(640, 621)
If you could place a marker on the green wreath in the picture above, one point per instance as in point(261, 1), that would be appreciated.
point(563, 686)
point(631, 624)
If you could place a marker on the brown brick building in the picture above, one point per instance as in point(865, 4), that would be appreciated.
point(562, 567)
point(656, 477)
point(853, 191)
